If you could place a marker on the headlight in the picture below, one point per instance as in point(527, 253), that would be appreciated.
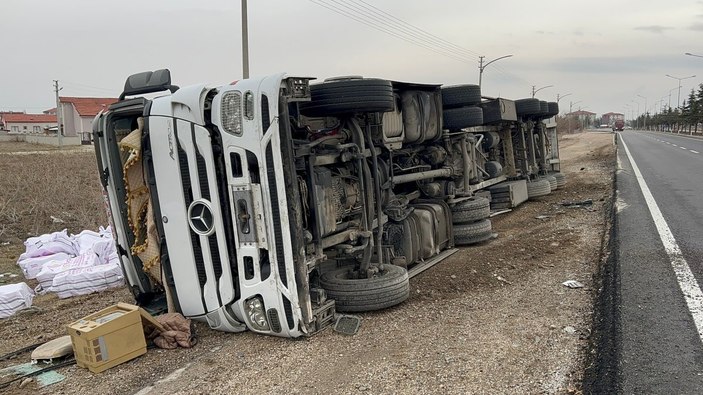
point(231, 112)
point(256, 312)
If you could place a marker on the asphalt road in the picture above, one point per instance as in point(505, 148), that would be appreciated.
point(660, 349)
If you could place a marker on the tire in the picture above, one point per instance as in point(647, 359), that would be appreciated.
point(464, 117)
point(561, 179)
point(493, 168)
point(538, 188)
point(552, 182)
point(544, 108)
point(525, 107)
point(553, 108)
point(466, 234)
point(460, 96)
point(349, 96)
point(471, 210)
point(387, 288)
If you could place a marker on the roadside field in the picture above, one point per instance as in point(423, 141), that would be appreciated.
point(493, 318)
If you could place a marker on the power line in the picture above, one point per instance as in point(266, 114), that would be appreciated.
point(409, 29)
point(387, 31)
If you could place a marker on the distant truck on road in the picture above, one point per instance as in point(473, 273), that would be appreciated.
point(619, 125)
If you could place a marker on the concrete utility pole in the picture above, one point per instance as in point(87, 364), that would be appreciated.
point(59, 121)
point(561, 97)
point(245, 41)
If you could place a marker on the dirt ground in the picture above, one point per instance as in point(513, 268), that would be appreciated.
point(493, 318)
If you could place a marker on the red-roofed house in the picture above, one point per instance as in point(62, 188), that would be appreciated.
point(28, 123)
point(78, 113)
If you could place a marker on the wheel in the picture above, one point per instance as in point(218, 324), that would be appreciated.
point(389, 287)
point(529, 106)
point(561, 179)
point(552, 182)
point(553, 108)
point(473, 209)
point(464, 117)
point(460, 96)
point(493, 168)
point(490, 140)
point(543, 107)
point(348, 96)
point(538, 188)
point(476, 232)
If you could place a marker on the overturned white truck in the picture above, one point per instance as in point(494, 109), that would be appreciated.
point(271, 203)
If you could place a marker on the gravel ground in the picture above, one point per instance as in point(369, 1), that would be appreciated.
point(493, 318)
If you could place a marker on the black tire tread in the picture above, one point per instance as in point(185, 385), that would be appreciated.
point(460, 96)
point(463, 117)
point(471, 210)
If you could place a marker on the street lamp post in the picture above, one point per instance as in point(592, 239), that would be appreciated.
point(637, 117)
point(559, 97)
point(537, 90)
point(482, 66)
point(682, 78)
point(692, 54)
point(645, 111)
point(571, 106)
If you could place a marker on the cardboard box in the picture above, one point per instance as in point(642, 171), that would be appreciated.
point(110, 336)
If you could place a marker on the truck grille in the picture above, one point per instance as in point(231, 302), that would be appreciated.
point(201, 258)
point(276, 211)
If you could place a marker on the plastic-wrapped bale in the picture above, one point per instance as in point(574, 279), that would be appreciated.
point(51, 269)
point(13, 298)
point(49, 244)
point(32, 266)
point(87, 280)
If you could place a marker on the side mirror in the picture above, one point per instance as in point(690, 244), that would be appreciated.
point(148, 82)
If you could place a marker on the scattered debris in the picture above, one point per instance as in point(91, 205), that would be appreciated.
point(501, 279)
point(453, 276)
point(569, 330)
point(5, 243)
point(56, 220)
point(578, 203)
point(499, 212)
point(347, 324)
point(572, 284)
point(26, 382)
point(544, 216)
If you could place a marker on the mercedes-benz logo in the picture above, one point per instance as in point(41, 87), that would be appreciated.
point(200, 218)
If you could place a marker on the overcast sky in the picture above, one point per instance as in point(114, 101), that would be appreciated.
point(604, 53)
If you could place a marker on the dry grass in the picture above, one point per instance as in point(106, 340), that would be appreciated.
point(35, 187)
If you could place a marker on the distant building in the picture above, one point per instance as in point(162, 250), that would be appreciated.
point(584, 118)
point(610, 118)
point(3, 113)
point(78, 113)
point(27, 123)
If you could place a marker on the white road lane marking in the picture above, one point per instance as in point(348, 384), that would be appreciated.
point(674, 145)
point(683, 147)
point(694, 151)
point(687, 281)
point(668, 142)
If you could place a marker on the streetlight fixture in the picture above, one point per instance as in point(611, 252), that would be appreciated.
point(482, 66)
point(559, 97)
point(692, 54)
point(645, 111)
point(537, 90)
point(682, 78)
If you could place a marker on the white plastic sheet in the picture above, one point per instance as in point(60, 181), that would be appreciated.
point(13, 298)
